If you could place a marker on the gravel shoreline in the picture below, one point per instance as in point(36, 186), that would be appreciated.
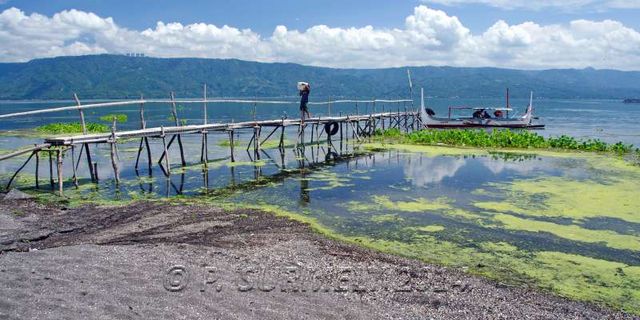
point(157, 260)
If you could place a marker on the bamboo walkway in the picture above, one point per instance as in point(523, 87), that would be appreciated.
point(338, 127)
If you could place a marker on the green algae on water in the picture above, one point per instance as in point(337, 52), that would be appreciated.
point(430, 229)
point(559, 197)
point(386, 218)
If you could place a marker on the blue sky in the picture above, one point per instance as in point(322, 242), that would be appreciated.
point(262, 16)
point(503, 33)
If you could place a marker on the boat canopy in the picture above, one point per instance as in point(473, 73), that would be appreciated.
point(481, 108)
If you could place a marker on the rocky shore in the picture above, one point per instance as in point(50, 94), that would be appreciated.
point(152, 260)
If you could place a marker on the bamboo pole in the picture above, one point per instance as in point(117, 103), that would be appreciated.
point(84, 131)
point(186, 101)
point(20, 169)
point(177, 121)
point(173, 138)
point(51, 170)
point(80, 157)
point(95, 170)
point(23, 151)
point(269, 136)
point(164, 144)
point(60, 181)
point(253, 137)
point(149, 161)
point(92, 171)
point(73, 167)
point(257, 141)
point(37, 152)
point(114, 161)
point(143, 125)
point(82, 121)
point(231, 145)
point(281, 144)
point(140, 147)
point(204, 154)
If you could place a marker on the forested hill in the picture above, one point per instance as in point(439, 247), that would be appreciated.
point(114, 76)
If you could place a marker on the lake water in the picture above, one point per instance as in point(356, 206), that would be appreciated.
point(609, 120)
point(566, 222)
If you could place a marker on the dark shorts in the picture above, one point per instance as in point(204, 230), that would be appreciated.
point(303, 106)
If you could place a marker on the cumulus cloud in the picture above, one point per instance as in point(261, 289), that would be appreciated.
point(568, 5)
point(428, 37)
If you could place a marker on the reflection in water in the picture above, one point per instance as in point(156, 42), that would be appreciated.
point(432, 170)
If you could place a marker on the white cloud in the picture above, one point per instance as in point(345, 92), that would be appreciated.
point(567, 5)
point(429, 37)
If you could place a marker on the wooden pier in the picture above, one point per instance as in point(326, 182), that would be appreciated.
point(330, 128)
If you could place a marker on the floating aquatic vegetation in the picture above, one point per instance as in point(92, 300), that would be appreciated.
point(273, 144)
point(561, 197)
point(503, 139)
point(415, 205)
point(386, 218)
point(571, 232)
point(431, 228)
point(331, 180)
point(73, 127)
point(227, 143)
point(119, 117)
point(257, 163)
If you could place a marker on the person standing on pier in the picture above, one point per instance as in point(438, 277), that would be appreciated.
point(304, 89)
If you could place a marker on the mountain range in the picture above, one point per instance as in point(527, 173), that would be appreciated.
point(118, 76)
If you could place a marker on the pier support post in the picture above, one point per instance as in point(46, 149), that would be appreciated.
point(86, 145)
point(114, 161)
point(60, 181)
point(140, 147)
point(164, 145)
point(341, 123)
point(20, 169)
point(143, 140)
point(51, 170)
point(204, 154)
point(37, 152)
point(281, 144)
point(174, 111)
point(256, 141)
point(232, 145)
point(92, 172)
point(269, 135)
point(73, 167)
point(95, 170)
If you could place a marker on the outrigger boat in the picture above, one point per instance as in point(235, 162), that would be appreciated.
point(480, 117)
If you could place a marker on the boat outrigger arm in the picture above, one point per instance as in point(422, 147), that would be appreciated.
point(431, 121)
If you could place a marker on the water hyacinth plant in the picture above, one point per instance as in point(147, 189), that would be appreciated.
point(73, 127)
point(120, 118)
point(503, 139)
